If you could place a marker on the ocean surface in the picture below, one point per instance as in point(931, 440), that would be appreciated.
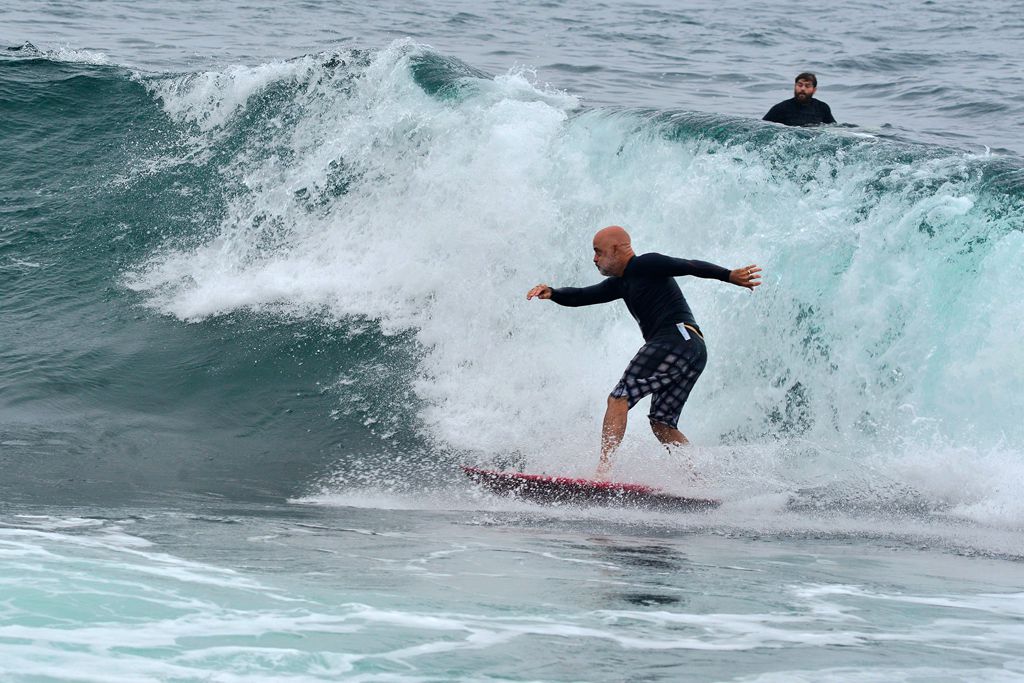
point(262, 278)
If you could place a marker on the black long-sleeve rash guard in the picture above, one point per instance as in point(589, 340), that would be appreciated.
point(651, 295)
point(793, 112)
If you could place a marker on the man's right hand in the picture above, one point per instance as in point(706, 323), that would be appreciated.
point(540, 291)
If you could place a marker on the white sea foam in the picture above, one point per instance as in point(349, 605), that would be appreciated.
point(96, 607)
point(885, 335)
point(887, 674)
point(210, 98)
point(68, 54)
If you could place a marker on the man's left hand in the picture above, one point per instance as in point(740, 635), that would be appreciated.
point(748, 276)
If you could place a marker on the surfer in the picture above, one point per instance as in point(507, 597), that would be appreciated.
point(673, 354)
point(802, 109)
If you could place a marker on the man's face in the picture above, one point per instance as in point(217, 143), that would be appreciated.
point(605, 258)
point(803, 90)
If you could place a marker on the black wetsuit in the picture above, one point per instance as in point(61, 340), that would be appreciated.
point(793, 112)
point(652, 296)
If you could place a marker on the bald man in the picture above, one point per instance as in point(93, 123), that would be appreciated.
point(673, 355)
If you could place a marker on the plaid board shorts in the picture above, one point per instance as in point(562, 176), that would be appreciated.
point(667, 370)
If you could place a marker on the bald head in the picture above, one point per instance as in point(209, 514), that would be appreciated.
point(612, 250)
point(611, 236)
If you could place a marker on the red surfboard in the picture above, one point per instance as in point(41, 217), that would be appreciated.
point(543, 488)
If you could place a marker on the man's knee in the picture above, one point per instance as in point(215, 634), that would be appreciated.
point(618, 403)
point(667, 434)
point(660, 428)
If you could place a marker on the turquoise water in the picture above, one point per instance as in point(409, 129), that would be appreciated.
point(315, 593)
point(262, 275)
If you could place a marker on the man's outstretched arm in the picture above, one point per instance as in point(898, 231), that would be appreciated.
point(601, 293)
point(659, 265)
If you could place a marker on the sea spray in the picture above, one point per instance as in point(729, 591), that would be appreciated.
point(885, 332)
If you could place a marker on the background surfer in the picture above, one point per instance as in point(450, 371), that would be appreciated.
point(673, 355)
point(801, 109)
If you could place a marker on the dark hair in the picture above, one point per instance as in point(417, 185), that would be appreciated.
point(807, 76)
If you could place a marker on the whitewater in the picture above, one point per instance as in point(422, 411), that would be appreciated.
point(883, 327)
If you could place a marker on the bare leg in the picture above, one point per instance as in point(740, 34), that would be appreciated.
point(670, 436)
point(611, 433)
